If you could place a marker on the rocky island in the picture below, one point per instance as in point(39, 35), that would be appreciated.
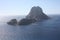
point(36, 14)
point(12, 22)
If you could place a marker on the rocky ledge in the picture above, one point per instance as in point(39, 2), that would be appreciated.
point(36, 14)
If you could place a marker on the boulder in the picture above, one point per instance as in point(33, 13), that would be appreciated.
point(36, 14)
point(12, 22)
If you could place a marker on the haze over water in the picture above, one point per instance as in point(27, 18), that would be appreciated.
point(45, 30)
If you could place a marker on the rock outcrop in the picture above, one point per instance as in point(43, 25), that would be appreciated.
point(12, 22)
point(26, 21)
point(36, 14)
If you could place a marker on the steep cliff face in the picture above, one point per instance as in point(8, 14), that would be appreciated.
point(37, 14)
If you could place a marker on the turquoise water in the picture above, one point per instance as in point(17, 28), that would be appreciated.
point(45, 30)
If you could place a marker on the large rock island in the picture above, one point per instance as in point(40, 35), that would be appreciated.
point(35, 14)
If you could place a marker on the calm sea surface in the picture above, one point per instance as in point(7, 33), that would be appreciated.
point(45, 30)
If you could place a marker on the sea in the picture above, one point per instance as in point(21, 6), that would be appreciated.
point(43, 30)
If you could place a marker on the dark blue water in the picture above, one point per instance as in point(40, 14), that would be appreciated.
point(45, 30)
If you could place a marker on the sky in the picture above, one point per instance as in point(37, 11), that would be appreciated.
point(22, 7)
